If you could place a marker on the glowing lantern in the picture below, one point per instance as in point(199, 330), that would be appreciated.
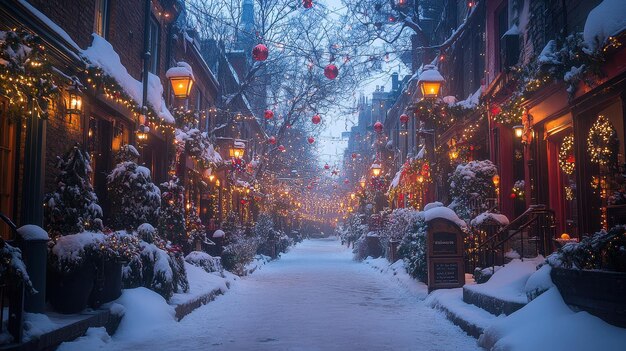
point(404, 118)
point(181, 78)
point(378, 127)
point(376, 169)
point(362, 182)
point(331, 71)
point(519, 130)
point(238, 150)
point(316, 119)
point(142, 132)
point(269, 114)
point(496, 180)
point(260, 53)
point(430, 81)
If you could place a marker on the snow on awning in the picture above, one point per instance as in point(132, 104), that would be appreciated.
point(102, 54)
point(396, 180)
point(605, 20)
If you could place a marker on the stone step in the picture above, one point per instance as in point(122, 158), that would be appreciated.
point(490, 304)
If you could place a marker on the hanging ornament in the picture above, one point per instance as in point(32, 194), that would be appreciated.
point(307, 4)
point(272, 140)
point(495, 110)
point(331, 71)
point(404, 118)
point(281, 148)
point(260, 53)
point(354, 155)
point(378, 127)
point(311, 140)
point(269, 114)
point(316, 119)
point(326, 166)
point(346, 181)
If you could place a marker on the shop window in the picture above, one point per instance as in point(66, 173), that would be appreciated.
point(154, 33)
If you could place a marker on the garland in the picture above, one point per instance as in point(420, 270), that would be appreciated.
point(25, 73)
point(566, 155)
point(602, 143)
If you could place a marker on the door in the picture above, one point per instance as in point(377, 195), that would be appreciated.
point(7, 166)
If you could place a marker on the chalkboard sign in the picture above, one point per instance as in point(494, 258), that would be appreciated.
point(444, 243)
point(446, 273)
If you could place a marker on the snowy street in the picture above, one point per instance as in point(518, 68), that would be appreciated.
point(314, 298)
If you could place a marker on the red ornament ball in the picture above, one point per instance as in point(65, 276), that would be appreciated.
point(331, 71)
point(346, 181)
point(260, 53)
point(311, 140)
point(354, 155)
point(512, 196)
point(281, 148)
point(316, 119)
point(378, 127)
point(326, 166)
point(272, 140)
point(495, 109)
point(570, 159)
point(307, 4)
point(269, 114)
point(404, 118)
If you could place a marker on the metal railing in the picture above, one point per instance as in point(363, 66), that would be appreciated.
point(11, 296)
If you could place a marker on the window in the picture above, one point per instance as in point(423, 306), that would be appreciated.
point(502, 20)
point(101, 21)
point(154, 45)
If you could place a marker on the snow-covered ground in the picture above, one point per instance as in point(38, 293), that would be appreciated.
point(314, 298)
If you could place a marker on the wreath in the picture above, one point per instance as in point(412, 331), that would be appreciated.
point(566, 155)
point(602, 143)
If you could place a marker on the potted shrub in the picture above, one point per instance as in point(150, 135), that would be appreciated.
point(591, 275)
point(71, 270)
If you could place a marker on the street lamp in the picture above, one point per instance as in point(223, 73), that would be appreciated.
point(181, 78)
point(238, 149)
point(430, 81)
point(376, 169)
point(519, 130)
point(362, 182)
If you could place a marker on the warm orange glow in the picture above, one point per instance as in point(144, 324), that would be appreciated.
point(181, 86)
point(565, 236)
point(430, 90)
point(236, 152)
point(211, 177)
point(519, 130)
point(496, 180)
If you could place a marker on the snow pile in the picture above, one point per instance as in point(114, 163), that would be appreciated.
point(548, 55)
point(509, 282)
point(607, 19)
point(472, 100)
point(445, 213)
point(200, 284)
point(489, 217)
point(95, 338)
point(37, 324)
point(145, 312)
point(101, 54)
point(397, 271)
point(547, 323)
point(205, 261)
point(432, 205)
point(430, 73)
point(32, 232)
point(395, 181)
point(197, 144)
point(182, 69)
point(72, 248)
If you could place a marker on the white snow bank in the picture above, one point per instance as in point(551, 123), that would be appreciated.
point(445, 213)
point(397, 271)
point(547, 323)
point(491, 217)
point(32, 232)
point(508, 283)
point(200, 283)
point(452, 300)
point(539, 282)
point(432, 205)
point(102, 54)
point(37, 324)
point(605, 20)
point(145, 312)
point(94, 339)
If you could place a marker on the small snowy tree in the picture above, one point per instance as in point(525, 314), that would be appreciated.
point(399, 223)
point(134, 198)
point(266, 235)
point(470, 185)
point(196, 231)
point(73, 206)
point(412, 249)
point(172, 218)
point(239, 248)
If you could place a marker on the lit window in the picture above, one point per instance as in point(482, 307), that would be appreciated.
point(101, 21)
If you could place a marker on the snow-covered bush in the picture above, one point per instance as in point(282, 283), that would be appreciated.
point(172, 215)
point(412, 249)
point(284, 242)
point(603, 250)
point(470, 185)
point(398, 224)
point(73, 206)
point(354, 228)
point(12, 268)
point(205, 261)
point(239, 246)
point(69, 252)
point(134, 198)
point(266, 235)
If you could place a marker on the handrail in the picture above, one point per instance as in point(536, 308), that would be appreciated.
point(529, 210)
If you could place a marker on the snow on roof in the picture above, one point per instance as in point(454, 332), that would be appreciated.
point(472, 101)
point(395, 181)
point(605, 20)
point(182, 69)
point(512, 31)
point(445, 213)
point(102, 54)
point(430, 73)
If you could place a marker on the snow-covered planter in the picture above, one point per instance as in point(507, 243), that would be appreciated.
point(205, 261)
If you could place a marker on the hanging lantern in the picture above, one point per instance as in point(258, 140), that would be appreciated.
point(404, 118)
point(73, 103)
point(260, 53)
point(269, 114)
point(331, 71)
point(307, 4)
point(519, 130)
point(326, 166)
point(281, 148)
point(316, 119)
point(311, 140)
point(378, 127)
point(142, 133)
point(430, 81)
point(272, 140)
point(181, 78)
point(376, 169)
point(237, 150)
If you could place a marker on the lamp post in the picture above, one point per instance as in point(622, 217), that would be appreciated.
point(181, 78)
point(430, 81)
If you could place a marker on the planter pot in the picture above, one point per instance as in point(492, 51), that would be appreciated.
point(69, 292)
point(600, 293)
point(108, 283)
